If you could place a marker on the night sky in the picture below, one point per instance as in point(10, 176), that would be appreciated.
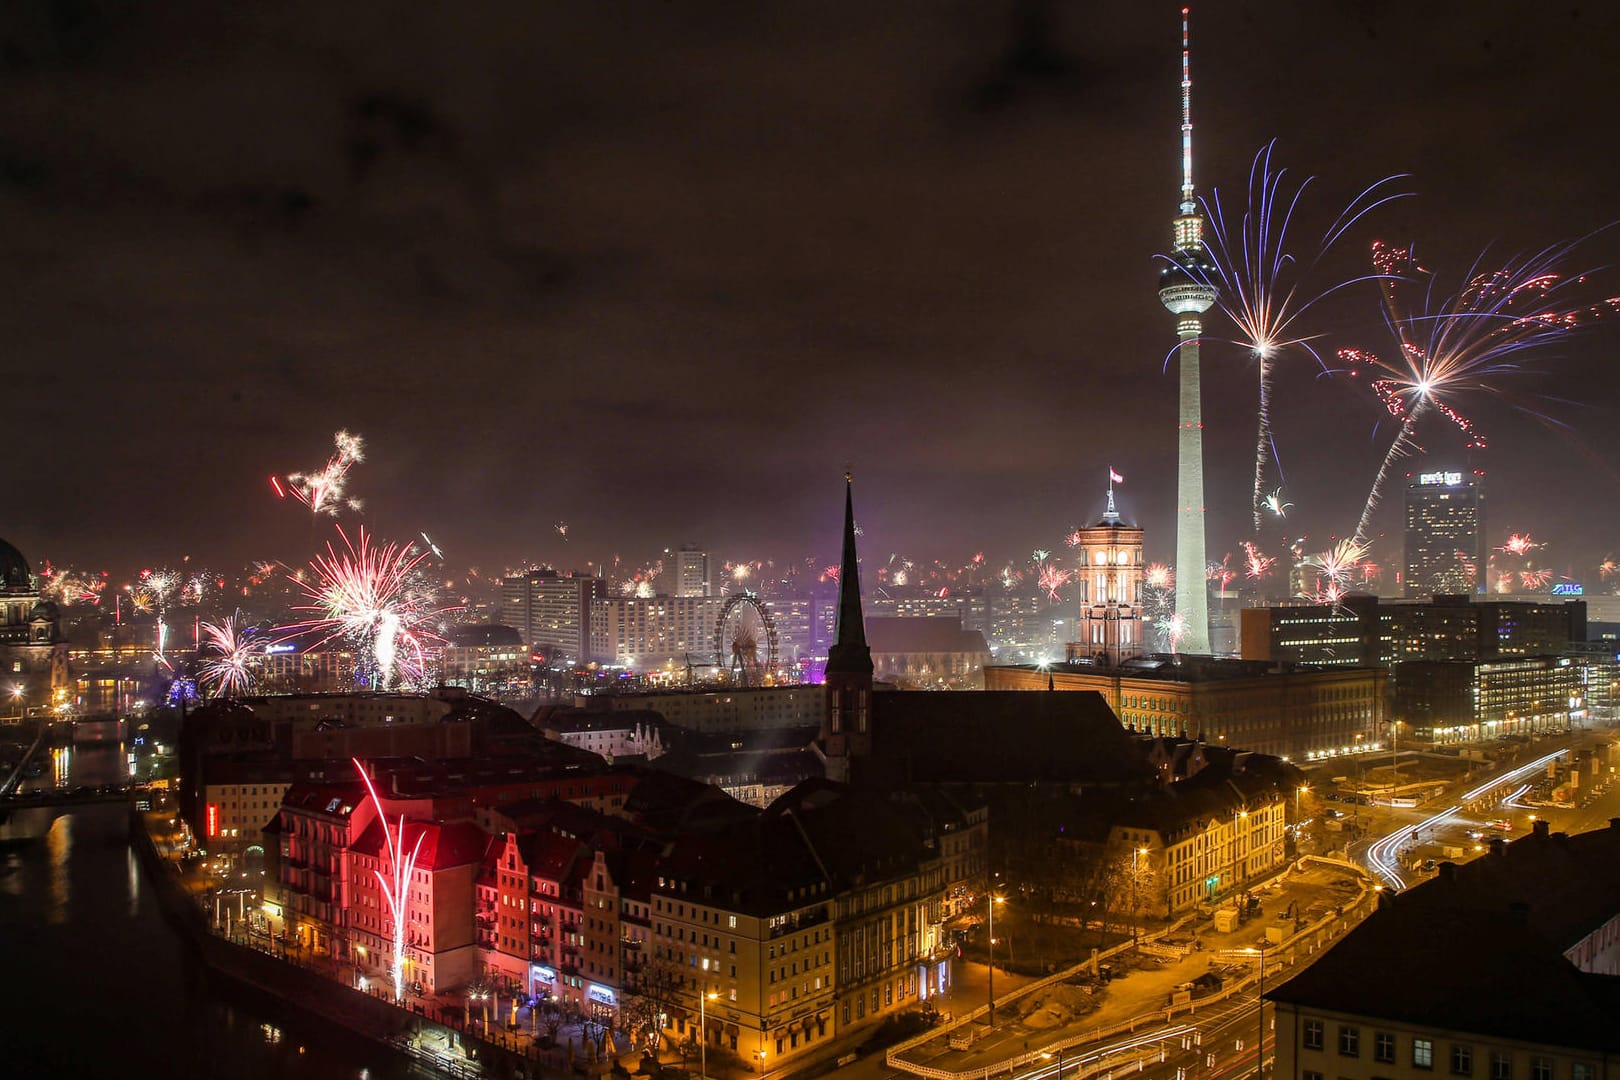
point(658, 270)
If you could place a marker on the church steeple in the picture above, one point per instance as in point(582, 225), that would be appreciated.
point(849, 653)
point(846, 724)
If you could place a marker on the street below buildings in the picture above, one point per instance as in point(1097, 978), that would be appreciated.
point(1134, 1015)
point(1404, 845)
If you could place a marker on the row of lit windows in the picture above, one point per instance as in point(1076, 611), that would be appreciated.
point(1313, 1037)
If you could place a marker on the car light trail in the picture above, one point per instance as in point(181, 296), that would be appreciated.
point(1382, 853)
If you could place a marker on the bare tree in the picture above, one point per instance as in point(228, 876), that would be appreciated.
point(648, 999)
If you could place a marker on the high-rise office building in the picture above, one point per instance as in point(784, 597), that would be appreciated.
point(691, 571)
point(648, 632)
point(1445, 533)
point(552, 611)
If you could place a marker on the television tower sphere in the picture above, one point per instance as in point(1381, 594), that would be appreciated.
point(1184, 284)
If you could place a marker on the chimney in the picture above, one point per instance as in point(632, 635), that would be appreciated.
point(1561, 839)
point(1448, 871)
point(1498, 846)
point(1541, 828)
point(1614, 823)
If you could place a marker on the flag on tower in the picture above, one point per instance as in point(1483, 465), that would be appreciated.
point(1114, 477)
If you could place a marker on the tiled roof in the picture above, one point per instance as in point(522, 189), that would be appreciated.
point(442, 846)
point(1002, 736)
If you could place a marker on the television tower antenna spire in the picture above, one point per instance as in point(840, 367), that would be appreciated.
point(1188, 204)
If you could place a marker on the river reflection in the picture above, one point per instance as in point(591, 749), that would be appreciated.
point(99, 986)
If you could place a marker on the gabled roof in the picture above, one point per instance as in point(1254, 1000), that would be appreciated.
point(553, 856)
point(667, 803)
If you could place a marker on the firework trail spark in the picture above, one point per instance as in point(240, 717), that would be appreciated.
point(1275, 504)
point(1260, 283)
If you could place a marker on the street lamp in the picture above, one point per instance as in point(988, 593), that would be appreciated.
point(703, 1023)
point(760, 1053)
point(1136, 854)
point(1394, 761)
point(1236, 814)
point(1260, 1014)
point(1059, 1056)
point(991, 952)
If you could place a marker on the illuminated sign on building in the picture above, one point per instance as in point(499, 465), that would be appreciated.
point(286, 648)
point(600, 994)
point(541, 973)
point(213, 819)
point(1445, 478)
point(1568, 588)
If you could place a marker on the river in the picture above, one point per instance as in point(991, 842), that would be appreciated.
point(99, 986)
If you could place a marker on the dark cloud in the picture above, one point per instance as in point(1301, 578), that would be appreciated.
point(661, 269)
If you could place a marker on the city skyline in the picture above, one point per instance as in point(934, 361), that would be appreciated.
point(669, 308)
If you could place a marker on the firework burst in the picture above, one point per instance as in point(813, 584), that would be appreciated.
point(229, 649)
point(67, 586)
point(376, 598)
point(1331, 571)
point(1261, 283)
point(324, 491)
point(1051, 579)
point(1447, 347)
point(1159, 606)
point(1256, 564)
point(1275, 505)
point(1519, 544)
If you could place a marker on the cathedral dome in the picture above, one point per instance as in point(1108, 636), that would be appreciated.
point(14, 573)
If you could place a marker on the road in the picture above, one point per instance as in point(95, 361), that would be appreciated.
point(1471, 813)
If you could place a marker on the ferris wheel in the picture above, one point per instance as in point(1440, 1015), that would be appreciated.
point(745, 639)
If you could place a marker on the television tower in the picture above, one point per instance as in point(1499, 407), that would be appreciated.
point(1184, 288)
